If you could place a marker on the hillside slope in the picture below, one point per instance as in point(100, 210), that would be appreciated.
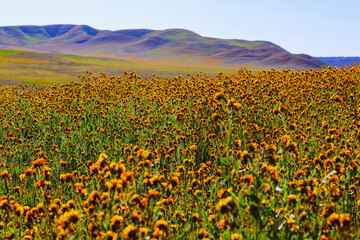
point(166, 45)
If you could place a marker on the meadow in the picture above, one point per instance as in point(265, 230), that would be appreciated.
point(265, 155)
point(45, 69)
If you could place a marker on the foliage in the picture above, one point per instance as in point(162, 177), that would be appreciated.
point(249, 156)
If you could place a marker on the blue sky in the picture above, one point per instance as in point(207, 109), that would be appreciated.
point(315, 27)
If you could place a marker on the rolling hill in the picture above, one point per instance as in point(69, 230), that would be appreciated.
point(174, 45)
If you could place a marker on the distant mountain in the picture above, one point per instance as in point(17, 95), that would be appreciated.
point(339, 61)
point(171, 44)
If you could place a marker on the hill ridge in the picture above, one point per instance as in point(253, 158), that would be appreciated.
point(168, 45)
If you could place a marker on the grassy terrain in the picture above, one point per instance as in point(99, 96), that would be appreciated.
point(44, 69)
point(153, 45)
point(266, 155)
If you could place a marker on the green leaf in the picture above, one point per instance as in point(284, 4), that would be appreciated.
point(200, 197)
point(254, 198)
point(240, 199)
point(225, 176)
point(156, 211)
point(224, 161)
point(105, 225)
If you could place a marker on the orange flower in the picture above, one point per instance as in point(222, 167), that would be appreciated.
point(215, 116)
point(162, 225)
point(223, 224)
point(29, 172)
point(19, 210)
point(131, 159)
point(193, 147)
point(42, 183)
point(116, 223)
point(292, 198)
point(131, 232)
point(219, 96)
point(249, 179)
point(236, 236)
point(38, 163)
point(345, 221)
point(146, 154)
point(246, 157)
point(53, 209)
point(67, 177)
point(174, 181)
point(94, 197)
point(195, 217)
point(103, 157)
point(226, 205)
point(63, 164)
point(333, 220)
point(202, 233)
point(153, 194)
point(5, 174)
point(67, 218)
point(111, 235)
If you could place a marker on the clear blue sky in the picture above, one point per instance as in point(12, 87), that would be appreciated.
point(315, 27)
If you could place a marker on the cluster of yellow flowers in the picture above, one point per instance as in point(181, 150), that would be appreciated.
point(273, 154)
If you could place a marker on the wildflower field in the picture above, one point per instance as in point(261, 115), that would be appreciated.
point(266, 155)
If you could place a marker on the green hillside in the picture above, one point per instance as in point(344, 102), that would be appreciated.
point(175, 45)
